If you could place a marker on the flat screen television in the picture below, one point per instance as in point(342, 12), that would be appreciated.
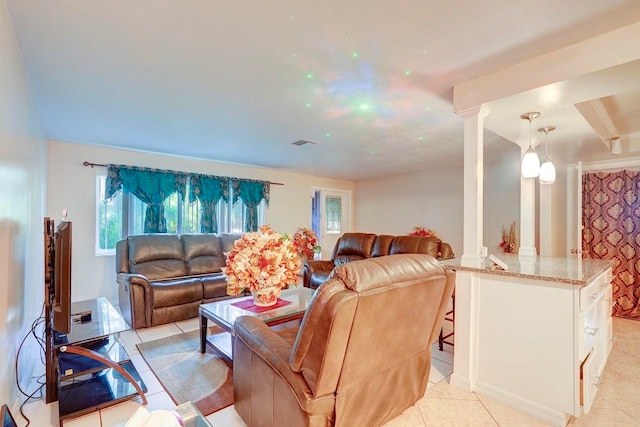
point(61, 277)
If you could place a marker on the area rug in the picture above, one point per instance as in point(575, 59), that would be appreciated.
point(186, 374)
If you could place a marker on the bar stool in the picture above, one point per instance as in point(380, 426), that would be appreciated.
point(449, 316)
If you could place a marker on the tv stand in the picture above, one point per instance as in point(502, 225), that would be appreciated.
point(92, 368)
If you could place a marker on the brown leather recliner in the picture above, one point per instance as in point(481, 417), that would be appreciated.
point(356, 246)
point(362, 354)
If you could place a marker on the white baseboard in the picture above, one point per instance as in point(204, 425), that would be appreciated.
point(542, 413)
point(460, 382)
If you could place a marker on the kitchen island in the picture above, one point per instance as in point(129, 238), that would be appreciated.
point(535, 336)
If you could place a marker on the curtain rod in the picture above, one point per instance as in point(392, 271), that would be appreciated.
point(85, 163)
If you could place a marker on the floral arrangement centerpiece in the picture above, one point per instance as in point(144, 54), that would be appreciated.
point(508, 243)
point(263, 261)
point(306, 243)
point(421, 231)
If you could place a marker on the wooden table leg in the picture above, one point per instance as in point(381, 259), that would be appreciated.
point(203, 334)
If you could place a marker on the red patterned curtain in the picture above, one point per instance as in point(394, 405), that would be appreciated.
point(611, 217)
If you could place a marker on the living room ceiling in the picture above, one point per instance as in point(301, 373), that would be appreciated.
point(369, 82)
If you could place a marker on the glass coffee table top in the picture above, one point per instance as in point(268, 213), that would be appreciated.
point(224, 313)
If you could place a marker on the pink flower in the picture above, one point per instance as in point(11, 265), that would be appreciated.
point(305, 242)
point(421, 231)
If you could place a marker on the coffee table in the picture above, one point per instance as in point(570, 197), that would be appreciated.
point(224, 314)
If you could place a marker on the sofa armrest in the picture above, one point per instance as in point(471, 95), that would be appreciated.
point(134, 297)
point(311, 266)
point(445, 251)
point(261, 367)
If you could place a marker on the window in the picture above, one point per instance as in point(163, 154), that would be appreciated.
point(108, 220)
point(124, 216)
point(333, 207)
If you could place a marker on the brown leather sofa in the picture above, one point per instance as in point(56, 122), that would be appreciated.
point(362, 354)
point(357, 246)
point(164, 278)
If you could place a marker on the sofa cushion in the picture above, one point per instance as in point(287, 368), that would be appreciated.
point(381, 246)
point(214, 286)
point(167, 293)
point(156, 256)
point(227, 240)
point(202, 253)
point(415, 245)
point(196, 245)
point(355, 244)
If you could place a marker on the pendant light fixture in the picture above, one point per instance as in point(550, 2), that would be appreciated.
point(530, 161)
point(614, 143)
point(547, 170)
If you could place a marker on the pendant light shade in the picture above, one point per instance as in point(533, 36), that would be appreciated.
point(547, 173)
point(530, 164)
point(530, 161)
point(547, 170)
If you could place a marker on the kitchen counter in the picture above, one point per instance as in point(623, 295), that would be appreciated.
point(573, 271)
point(535, 336)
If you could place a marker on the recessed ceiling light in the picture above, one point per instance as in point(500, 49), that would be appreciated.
point(302, 142)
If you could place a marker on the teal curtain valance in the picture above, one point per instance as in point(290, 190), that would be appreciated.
point(251, 192)
point(151, 186)
point(209, 189)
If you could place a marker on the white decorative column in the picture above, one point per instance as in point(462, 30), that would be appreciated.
point(527, 251)
point(473, 250)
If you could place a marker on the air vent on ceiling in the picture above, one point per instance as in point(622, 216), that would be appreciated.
point(303, 142)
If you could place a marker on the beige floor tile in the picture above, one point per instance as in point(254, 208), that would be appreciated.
point(446, 355)
point(129, 336)
point(128, 340)
point(118, 415)
point(443, 390)
point(152, 383)
point(189, 324)
point(157, 332)
point(39, 413)
point(226, 417)
point(602, 417)
point(89, 420)
point(439, 370)
point(454, 413)
point(409, 418)
point(509, 417)
point(160, 400)
point(138, 362)
point(615, 393)
point(626, 328)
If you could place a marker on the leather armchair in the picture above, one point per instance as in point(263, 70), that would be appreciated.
point(362, 354)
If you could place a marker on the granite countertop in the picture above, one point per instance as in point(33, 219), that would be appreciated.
point(575, 271)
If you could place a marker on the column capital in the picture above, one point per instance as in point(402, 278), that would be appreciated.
point(478, 111)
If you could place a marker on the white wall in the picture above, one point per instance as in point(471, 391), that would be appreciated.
point(434, 199)
point(395, 205)
point(72, 186)
point(501, 197)
point(22, 180)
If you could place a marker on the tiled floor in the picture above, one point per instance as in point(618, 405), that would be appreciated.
point(617, 402)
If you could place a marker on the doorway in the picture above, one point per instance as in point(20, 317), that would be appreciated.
point(330, 217)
